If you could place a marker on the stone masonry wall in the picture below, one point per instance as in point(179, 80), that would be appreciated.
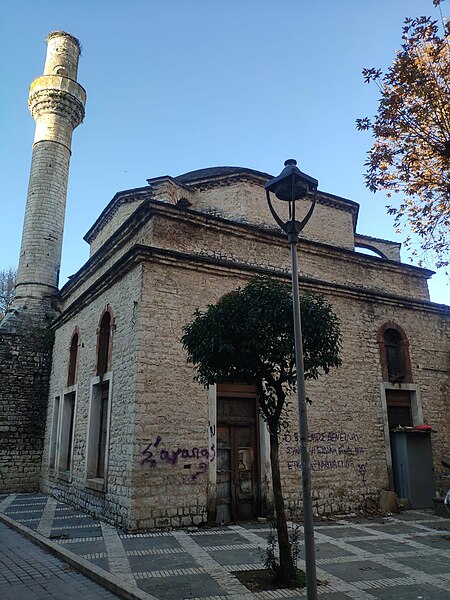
point(171, 405)
point(72, 291)
point(120, 214)
point(25, 360)
point(348, 453)
point(240, 201)
point(113, 503)
point(346, 429)
point(246, 202)
point(158, 408)
point(40, 254)
point(272, 252)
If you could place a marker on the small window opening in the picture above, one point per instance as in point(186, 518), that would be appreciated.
point(73, 354)
point(102, 433)
point(399, 409)
point(395, 358)
point(66, 435)
point(97, 452)
point(54, 433)
point(103, 344)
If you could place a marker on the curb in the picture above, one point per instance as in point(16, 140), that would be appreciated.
point(107, 580)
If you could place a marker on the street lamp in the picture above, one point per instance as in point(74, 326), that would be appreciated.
point(292, 185)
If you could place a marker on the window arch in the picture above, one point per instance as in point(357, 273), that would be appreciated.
point(394, 353)
point(73, 358)
point(104, 342)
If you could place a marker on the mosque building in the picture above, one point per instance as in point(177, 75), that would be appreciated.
point(98, 405)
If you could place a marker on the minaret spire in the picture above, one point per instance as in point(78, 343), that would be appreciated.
point(56, 102)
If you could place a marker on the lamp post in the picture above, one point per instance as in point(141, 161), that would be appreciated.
point(292, 185)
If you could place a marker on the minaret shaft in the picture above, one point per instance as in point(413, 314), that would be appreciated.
point(56, 102)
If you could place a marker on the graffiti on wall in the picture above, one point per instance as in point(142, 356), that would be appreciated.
point(328, 450)
point(156, 453)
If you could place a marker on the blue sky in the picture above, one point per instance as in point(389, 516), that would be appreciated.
point(179, 85)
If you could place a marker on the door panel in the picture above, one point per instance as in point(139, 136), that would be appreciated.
point(245, 480)
point(237, 471)
point(224, 487)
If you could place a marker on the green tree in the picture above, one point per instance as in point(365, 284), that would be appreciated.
point(7, 287)
point(411, 130)
point(248, 336)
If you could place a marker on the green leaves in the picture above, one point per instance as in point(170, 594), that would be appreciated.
point(248, 336)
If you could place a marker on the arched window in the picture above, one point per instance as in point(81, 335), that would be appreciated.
point(73, 355)
point(393, 346)
point(104, 343)
point(394, 354)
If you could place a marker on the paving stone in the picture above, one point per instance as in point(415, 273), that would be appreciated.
point(414, 515)
point(339, 532)
point(236, 557)
point(382, 546)
point(395, 528)
point(434, 541)
point(31, 523)
point(160, 562)
point(62, 511)
point(441, 525)
point(351, 556)
point(263, 533)
point(73, 521)
point(360, 571)
point(82, 548)
point(182, 586)
point(100, 562)
point(427, 564)
point(154, 543)
point(211, 540)
point(410, 592)
point(75, 532)
point(40, 575)
point(332, 596)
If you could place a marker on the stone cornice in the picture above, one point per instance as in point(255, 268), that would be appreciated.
point(113, 206)
point(151, 208)
point(137, 194)
point(140, 253)
point(322, 197)
point(167, 179)
point(274, 235)
point(57, 102)
point(340, 204)
point(260, 178)
point(226, 180)
point(57, 94)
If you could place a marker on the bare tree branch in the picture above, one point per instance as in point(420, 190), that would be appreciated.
point(7, 287)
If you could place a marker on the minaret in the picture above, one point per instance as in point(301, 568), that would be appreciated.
point(56, 102)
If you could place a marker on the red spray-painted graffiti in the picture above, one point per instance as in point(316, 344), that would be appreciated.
point(154, 454)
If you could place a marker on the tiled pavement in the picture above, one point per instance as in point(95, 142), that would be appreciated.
point(404, 557)
point(27, 572)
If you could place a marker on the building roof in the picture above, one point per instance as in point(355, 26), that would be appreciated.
point(212, 172)
point(210, 176)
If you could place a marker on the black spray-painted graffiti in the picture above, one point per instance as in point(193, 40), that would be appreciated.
point(328, 450)
point(154, 454)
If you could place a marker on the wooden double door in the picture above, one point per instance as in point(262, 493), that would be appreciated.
point(237, 454)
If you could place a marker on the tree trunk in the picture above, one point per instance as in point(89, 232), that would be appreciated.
point(287, 572)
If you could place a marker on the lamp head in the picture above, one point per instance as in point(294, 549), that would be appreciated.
point(291, 184)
